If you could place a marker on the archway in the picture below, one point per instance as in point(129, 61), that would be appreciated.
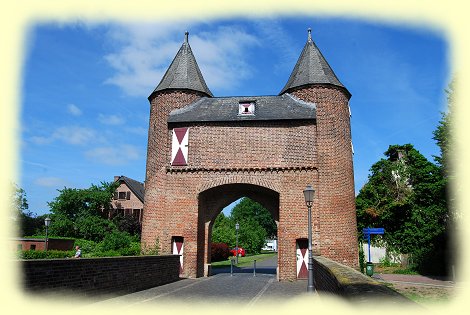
point(213, 200)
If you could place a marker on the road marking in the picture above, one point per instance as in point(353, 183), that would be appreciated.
point(260, 293)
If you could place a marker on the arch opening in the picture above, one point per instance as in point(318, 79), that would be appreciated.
point(212, 201)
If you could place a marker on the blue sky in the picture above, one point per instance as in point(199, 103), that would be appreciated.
point(84, 113)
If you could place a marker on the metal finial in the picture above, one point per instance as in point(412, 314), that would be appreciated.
point(186, 35)
point(309, 34)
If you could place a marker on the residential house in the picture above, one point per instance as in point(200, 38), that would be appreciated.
point(128, 198)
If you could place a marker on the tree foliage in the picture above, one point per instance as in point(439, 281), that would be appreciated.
point(27, 222)
point(443, 132)
point(405, 195)
point(256, 224)
point(249, 209)
point(80, 213)
point(223, 230)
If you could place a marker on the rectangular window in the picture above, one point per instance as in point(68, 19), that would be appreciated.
point(179, 147)
point(122, 195)
point(246, 108)
point(32, 247)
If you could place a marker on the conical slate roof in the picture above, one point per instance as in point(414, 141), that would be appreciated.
point(184, 73)
point(311, 68)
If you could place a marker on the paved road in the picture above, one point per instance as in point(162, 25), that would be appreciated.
point(222, 288)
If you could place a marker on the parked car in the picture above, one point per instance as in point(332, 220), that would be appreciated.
point(241, 251)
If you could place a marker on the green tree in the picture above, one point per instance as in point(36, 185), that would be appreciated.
point(80, 213)
point(405, 195)
point(443, 133)
point(27, 222)
point(252, 235)
point(248, 208)
point(223, 230)
point(127, 223)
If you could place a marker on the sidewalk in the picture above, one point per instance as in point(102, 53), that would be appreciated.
point(413, 279)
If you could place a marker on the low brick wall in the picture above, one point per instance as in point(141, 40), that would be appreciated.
point(92, 276)
point(344, 281)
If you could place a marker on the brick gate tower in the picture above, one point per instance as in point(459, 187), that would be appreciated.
point(205, 152)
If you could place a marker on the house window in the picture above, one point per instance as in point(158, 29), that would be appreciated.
point(32, 247)
point(246, 108)
point(122, 195)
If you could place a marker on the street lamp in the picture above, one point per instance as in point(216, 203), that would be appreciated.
point(308, 194)
point(237, 226)
point(47, 221)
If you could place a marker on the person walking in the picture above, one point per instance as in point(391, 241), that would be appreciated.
point(78, 252)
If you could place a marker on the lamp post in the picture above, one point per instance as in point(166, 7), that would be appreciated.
point(47, 221)
point(308, 194)
point(237, 226)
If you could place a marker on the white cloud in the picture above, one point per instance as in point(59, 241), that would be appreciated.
point(110, 119)
point(137, 130)
point(147, 50)
point(69, 134)
point(118, 155)
point(74, 110)
point(41, 140)
point(74, 134)
point(50, 181)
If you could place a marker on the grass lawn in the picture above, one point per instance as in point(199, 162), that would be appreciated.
point(243, 261)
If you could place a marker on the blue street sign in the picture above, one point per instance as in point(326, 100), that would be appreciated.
point(368, 231)
point(373, 230)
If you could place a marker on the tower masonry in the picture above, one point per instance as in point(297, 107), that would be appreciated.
point(205, 152)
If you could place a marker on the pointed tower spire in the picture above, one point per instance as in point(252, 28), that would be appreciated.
point(184, 73)
point(312, 68)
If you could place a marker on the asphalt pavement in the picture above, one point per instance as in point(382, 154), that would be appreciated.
point(241, 286)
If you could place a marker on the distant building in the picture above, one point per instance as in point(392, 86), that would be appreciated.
point(40, 244)
point(270, 245)
point(128, 198)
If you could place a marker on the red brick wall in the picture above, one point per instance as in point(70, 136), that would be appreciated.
point(40, 244)
point(271, 161)
point(336, 198)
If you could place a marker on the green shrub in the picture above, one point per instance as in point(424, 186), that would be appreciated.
point(132, 250)
point(107, 253)
point(362, 258)
point(151, 250)
point(115, 241)
point(87, 247)
point(40, 254)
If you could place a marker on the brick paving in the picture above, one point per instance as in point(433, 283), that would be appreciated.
point(241, 287)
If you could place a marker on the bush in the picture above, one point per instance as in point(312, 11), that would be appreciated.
point(362, 259)
point(87, 247)
point(132, 250)
point(40, 254)
point(115, 241)
point(219, 252)
point(151, 250)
